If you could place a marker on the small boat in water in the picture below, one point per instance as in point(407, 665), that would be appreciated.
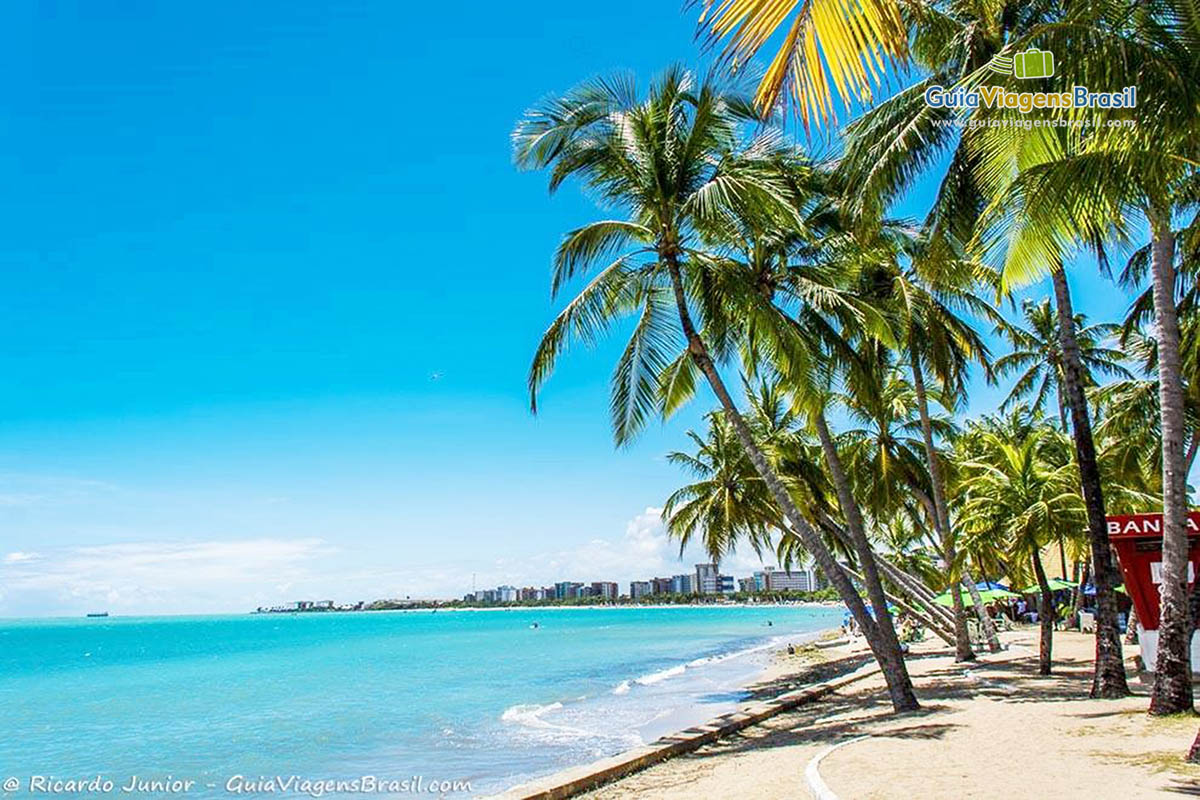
point(99, 614)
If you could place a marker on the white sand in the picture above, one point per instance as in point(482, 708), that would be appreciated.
point(991, 730)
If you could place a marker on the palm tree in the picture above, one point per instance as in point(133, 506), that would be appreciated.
point(929, 293)
point(894, 142)
point(801, 321)
point(728, 501)
point(1115, 175)
point(1036, 356)
point(1020, 495)
point(679, 167)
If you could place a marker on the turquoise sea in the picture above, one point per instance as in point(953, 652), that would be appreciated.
point(479, 696)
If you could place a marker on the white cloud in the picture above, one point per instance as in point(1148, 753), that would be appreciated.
point(157, 577)
point(237, 575)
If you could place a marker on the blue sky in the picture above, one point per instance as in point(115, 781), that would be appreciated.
point(271, 289)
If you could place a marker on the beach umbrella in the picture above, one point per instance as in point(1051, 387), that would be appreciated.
point(988, 596)
point(1056, 585)
point(985, 585)
point(871, 610)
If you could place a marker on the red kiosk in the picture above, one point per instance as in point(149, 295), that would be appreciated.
point(1138, 542)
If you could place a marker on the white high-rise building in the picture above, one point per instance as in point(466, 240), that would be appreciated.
point(707, 579)
point(778, 580)
point(683, 584)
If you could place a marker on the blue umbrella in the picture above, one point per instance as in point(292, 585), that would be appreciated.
point(891, 609)
point(983, 586)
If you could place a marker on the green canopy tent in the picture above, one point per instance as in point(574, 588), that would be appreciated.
point(987, 596)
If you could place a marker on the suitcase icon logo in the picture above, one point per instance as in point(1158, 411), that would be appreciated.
point(1033, 64)
point(1030, 64)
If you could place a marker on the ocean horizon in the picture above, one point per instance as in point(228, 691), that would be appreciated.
point(485, 699)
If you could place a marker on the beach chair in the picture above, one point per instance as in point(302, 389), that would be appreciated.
point(975, 633)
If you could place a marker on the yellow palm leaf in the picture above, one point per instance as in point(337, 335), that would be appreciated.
point(841, 46)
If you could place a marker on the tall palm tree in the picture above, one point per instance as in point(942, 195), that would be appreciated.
point(898, 139)
point(678, 166)
point(1020, 494)
point(930, 292)
point(1115, 174)
point(1036, 356)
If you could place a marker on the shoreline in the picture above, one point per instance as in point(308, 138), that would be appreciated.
point(767, 700)
point(783, 682)
point(846, 742)
point(549, 606)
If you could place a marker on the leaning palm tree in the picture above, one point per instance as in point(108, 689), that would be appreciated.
point(677, 166)
point(888, 457)
point(727, 502)
point(933, 293)
point(800, 321)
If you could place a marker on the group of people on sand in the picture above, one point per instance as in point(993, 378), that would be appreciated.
point(908, 628)
point(1021, 611)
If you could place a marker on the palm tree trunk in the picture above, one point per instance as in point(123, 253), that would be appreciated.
point(962, 638)
point(891, 659)
point(1108, 679)
point(1131, 627)
point(1045, 615)
point(1193, 755)
point(1172, 692)
point(1084, 577)
point(920, 592)
point(938, 630)
point(985, 622)
point(858, 534)
point(942, 520)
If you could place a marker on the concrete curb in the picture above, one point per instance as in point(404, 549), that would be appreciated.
point(577, 780)
point(812, 773)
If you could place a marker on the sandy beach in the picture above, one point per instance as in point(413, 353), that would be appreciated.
point(990, 729)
